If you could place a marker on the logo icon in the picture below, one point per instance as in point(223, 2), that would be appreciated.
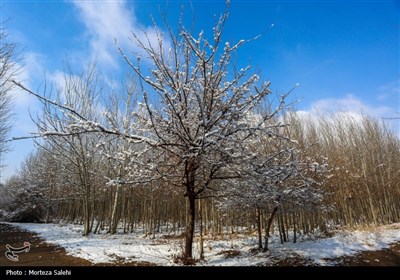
point(12, 252)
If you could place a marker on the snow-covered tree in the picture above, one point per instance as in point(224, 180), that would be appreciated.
point(44, 171)
point(277, 180)
point(196, 108)
point(27, 191)
point(192, 122)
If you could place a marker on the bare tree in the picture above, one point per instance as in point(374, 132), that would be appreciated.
point(66, 139)
point(8, 70)
point(118, 156)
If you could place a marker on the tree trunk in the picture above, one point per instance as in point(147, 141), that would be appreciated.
point(294, 229)
point(259, 229)
point(49, 204)
point(190, 178)
point(282, 228)
point(114, 222)
point(190, 226)
point(46, 220)
point(86, 216)
point(371, 204)
point(93, 209)
point(268, 227)
point(201, 231)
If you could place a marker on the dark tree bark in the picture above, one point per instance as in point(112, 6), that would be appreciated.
point(259, 228)
point(268, 227)
point(190, 179)
point(190, 227)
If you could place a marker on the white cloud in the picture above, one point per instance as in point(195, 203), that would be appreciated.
point(350, 108)
point(351, 105)
point(388, 90)
point(107, 21)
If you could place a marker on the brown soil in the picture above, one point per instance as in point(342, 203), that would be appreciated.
point(44, 254)
point(385, 257)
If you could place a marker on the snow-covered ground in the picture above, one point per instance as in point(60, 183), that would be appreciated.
point(233, 251)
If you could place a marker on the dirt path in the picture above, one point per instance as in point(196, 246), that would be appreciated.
point(385, 257)
point(44, 254)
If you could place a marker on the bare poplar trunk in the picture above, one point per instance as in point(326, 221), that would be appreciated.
point(259, 229)
point(371, 204)
point(114, 222)
point(46, 220)
point(201, 230)
point(294, 228)
point(48, 208)
point(86, 216)
point(268, 227)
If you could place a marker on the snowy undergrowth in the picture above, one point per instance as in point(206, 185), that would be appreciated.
point(234, 251)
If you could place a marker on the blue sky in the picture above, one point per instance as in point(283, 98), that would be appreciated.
point(344, 54)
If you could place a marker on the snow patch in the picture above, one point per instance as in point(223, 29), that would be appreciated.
point(234, 251)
